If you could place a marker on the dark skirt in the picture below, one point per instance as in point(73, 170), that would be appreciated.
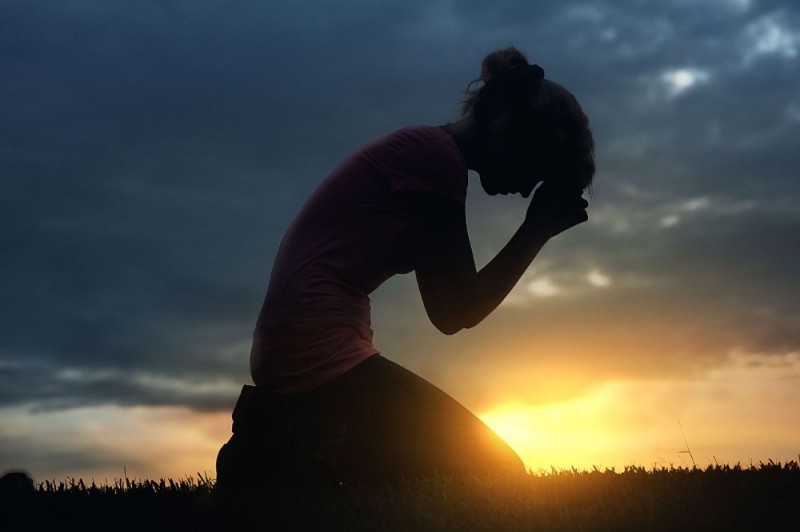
point(378, 422)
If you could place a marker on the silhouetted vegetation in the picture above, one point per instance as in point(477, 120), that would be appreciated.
point(720, 497)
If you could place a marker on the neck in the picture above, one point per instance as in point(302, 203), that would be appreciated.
point(465, 135)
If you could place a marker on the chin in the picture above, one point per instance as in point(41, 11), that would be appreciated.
point(485, 187)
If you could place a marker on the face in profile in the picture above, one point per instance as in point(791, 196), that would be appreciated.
point(505, 167)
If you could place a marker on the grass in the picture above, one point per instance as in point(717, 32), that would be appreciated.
point(720, 497)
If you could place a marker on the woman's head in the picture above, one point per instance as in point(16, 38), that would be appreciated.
point(530, 125)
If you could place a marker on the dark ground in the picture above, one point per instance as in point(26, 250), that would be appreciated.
point(763, 497)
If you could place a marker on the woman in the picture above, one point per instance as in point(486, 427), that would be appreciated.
point(326, 406)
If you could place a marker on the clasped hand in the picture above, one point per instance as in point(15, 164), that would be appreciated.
point(554, 209)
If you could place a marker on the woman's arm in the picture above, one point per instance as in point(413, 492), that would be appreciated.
point(455, 295)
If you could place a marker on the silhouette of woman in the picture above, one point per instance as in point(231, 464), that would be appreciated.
point(326, 406)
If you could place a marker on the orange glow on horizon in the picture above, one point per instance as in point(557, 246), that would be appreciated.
point(742, 413)
point(140, 442)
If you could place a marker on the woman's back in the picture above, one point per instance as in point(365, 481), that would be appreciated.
point(350, 236)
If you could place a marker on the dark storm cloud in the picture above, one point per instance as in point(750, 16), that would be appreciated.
point(45, 387)
point(153, 155)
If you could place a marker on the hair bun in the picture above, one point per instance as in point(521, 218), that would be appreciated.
point(502, 61)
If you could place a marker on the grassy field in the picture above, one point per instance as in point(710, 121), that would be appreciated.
point(757, 497)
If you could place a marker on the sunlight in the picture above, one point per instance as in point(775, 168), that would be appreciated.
point(566, 434)
point(736, 413)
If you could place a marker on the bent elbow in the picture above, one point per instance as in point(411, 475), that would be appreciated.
point(448, 329)
point(452, 317)
point(452, 324)
point(446, 324)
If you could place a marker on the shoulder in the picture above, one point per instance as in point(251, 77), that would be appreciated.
point(421, 142)
point(427, 158)
point(432, 140)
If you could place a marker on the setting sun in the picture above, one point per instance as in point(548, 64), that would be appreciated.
point(575, 433)
point(730, 415)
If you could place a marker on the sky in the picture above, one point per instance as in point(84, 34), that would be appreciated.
point(153, 153)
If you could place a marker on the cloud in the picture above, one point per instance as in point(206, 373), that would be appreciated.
point(46, 386)
point(775, 33)
point(156, 153)
point(598, 279)
point(106, 443)
point(681, 80)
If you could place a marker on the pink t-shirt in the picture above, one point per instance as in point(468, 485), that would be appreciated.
point(351, 235)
